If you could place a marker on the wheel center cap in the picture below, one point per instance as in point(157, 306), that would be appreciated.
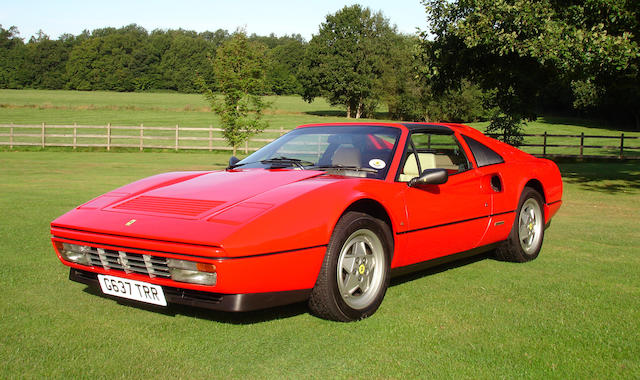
point(361, 269)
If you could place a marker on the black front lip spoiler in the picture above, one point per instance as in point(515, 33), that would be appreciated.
point(212, 301)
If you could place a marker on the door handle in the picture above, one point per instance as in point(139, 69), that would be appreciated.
point(496, 183)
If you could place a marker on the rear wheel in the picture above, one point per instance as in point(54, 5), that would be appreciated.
point(525, 240)
point(355, 273)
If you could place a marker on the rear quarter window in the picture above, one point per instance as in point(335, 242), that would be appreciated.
point(483, 155)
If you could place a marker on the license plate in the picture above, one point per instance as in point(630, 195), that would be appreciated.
point(132, 289)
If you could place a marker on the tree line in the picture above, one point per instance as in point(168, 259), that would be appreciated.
point(131, 59)
point(507, 62)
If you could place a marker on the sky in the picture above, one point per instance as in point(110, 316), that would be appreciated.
point(281, 17)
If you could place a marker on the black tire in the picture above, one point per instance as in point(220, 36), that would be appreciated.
point(526, 236)
point(364, 245)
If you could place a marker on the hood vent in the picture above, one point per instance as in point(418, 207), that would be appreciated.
point(171, 206)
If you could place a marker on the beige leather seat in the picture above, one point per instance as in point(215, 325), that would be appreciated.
point(410, 170)
point(346, 156)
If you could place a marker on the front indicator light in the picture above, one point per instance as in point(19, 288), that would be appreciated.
point(74, 253)
point(192, 272)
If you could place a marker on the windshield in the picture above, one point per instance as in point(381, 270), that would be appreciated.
point(359, 151)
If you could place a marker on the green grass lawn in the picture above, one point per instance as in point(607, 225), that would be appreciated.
point(572, 313)
point(153, 109)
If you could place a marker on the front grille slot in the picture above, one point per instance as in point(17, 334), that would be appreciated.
point(148, 265)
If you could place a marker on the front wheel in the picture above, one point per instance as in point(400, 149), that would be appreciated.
point(355, 273)
point(525, 240)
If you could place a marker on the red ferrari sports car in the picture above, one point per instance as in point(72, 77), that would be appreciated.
point(325, 214)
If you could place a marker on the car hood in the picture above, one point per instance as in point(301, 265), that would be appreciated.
point(199, 197)
point(201, 208)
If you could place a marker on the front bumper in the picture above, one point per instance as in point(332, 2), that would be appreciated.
point(271, 272)
point(208, 300)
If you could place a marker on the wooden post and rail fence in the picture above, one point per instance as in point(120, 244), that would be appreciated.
point(110, 136)
point(208, 138)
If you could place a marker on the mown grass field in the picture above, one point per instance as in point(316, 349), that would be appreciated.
point(157, 109)
point(35, 107)
point(572, 313)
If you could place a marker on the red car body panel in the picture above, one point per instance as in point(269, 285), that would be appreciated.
point(266, 230)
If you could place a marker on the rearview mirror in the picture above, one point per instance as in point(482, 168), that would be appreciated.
point(430, 177)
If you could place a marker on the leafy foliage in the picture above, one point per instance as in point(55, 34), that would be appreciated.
point(185, 47)
point(409, 98)
point(131, 59)
point(12, 53)
point(284, 64)
point(44, 65)
point(240, 74)
point(345, 61)
point(516, 48)
point(115, 61)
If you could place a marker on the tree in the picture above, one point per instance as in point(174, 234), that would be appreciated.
point(408, 98)
point(515, 48)
point(111, 59)
point(45, 63)
point(12, 56)
point(186, 57)
point(240, 73)
point(345, 61)
point(216, 38)
point(284, 66)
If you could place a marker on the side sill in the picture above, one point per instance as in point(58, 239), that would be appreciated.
point(212, 301)
point(400, 271)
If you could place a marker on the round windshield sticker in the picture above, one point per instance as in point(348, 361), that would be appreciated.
point(377, 163)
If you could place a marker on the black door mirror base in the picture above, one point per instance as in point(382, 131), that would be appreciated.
point(430, 177)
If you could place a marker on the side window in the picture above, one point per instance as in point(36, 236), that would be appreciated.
point(483, 155)
point(428, 150)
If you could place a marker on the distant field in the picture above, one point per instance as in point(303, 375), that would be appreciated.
point(157, 109)
point(190, 110)
point(571, 314)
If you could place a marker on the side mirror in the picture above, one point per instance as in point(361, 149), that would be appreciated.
point(233, 160)
point(430, 177)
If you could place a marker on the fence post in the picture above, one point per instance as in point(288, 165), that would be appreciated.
point(11, 137)
point(108, 137)
point(141, 137)
point(544, 145)
point(281, 130)
point(246, 146)
point(621, 145)
point(581, 144)
point(43, 140)
point(177, 136)
point(210, 137)
point(75, 135)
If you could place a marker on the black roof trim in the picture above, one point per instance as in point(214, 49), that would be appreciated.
point(428, 127)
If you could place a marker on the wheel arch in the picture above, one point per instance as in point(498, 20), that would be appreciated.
point(375, 209)
point(536, 185)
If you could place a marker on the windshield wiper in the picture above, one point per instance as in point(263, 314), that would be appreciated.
point(287, 160)
point(345, 167)
point(279, 161)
